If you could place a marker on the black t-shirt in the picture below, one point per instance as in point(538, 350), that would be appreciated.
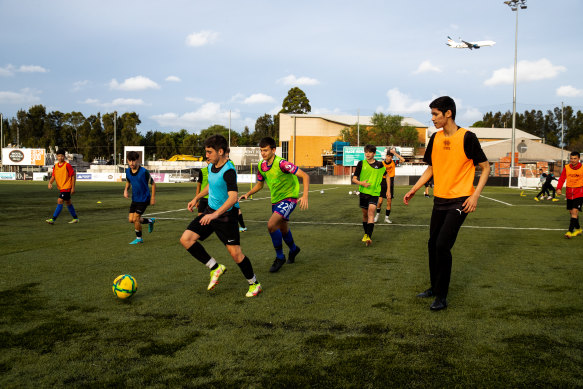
point(376, 164)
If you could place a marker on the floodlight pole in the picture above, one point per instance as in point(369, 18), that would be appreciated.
point(114, 137)
point(562, 135)
point(358, 128)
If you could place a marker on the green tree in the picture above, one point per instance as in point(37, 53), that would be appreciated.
point(221, 130)
point(72, 128)
point(295, 102)
point(246, 138)
point(385, 128)
point(165, 146)
point(264, 127)
point(355, 136)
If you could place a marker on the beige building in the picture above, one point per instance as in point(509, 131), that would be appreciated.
point(306, 138)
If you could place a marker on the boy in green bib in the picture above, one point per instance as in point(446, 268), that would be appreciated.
point(368, 176)
point(282, 178)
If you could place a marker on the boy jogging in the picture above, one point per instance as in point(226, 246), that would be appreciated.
point(572, 176)
point(65, 177)
point(368, 175)
point(451, 154)
point(282, 178)
point(138, 177)
point(219, 217)
point(390, 167)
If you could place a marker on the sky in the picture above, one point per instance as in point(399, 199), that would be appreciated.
point(190, 64)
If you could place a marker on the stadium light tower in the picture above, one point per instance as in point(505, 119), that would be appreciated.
point(514, 6)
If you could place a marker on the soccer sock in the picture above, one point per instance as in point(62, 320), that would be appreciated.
point(276, 238)
point(198, 252)
point(241, 222)
point(247, 270)
point(370, 228)
point(71, 209)
point(289, 241)
point(364, 226)
point(144, 220)
point(387, 212)
point(57, 211)
point(378, 210)
point(138, 233)
point(573, 224)
point(577, 226)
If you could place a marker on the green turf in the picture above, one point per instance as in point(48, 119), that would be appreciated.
point(342, 316)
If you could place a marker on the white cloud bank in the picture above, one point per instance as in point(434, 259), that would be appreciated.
point(426, 66)
point(202, 38)
point(173, 79)
point(527, 71)
point(9, 69)
point(401, 104)
point(119, 102)
point(569, 91)
point(134, 84)
point(293, 80)
point(208, 113)
point(24, 96)
point(258, 98)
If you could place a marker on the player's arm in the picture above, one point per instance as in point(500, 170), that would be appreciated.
point(73, 181)
point(231, 200)
point(426, 176)
point(125, 191)
point(388, 181)
point(194, 202)
point(561, 181)
point(306, 182)
point(51, 180)
point(472, 202)
point(153, 196)
point(401, 159)
point(198, 185)
point(356, 176)
point(256, 188)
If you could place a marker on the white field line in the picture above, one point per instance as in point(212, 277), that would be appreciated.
point(498, 201)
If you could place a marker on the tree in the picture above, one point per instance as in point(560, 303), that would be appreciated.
point(246, 138)
point(386, 128)
point(296, 102)
point(264, 127)
point(220, 130)
point(354, 136)
point(72, 127)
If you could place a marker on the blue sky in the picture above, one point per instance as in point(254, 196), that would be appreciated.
point(186, 64)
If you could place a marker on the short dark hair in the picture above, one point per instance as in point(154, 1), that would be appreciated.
point(444, 104)
point(370, 148)
point(61, 151)
point(217, 142)
point(133, 156)
point(267, 141)
point(575, 154)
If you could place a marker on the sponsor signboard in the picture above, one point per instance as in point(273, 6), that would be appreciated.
point(7, 176)
point(23, 157)
point(84, 176)
point(351, 155)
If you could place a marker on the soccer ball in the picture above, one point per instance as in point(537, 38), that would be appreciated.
point(321, 191)
point(350, 193)
point(124, 286)
point(357, 193)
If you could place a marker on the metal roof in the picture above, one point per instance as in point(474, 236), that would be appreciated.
point(349, 120)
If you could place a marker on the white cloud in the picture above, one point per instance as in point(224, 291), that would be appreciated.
point(134, 83)
point(569, 91)
point(78, 85)
point(400, 103)
point(293, 80)
point(527, 71)
point(31, 69)
point(258, 98)
point(25, 96)
point(327, 111)
point(208, 113)
point(196, 100)
point(197, 39)
point(91, 101)
point(426, 66)
point(173, 79)
point(119, 102)
point(469, 116)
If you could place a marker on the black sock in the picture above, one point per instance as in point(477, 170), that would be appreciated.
point(198, 252)
point(577, 226)
point(370, 228)
point(241, 222)
point(573, 224)
point(378, 210)
point(364, 226)
point(246, 268)
point(144, 220)
point(387, 212)
point(138, 233)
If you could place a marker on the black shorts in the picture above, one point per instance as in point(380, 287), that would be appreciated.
point(429, 183)
point(226, 227)
point(575, 203)
point(65, 196)
point(138, 207)
point(202, 204)
point(366, 199)
point(384, 188)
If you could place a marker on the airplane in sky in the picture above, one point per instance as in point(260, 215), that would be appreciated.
point(468, 45)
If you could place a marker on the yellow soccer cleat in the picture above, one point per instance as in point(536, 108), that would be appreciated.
point(578, 231)
point(254, 290)
point(536, 199)
point(568, 235)
point(215, 274)
point(365, 238)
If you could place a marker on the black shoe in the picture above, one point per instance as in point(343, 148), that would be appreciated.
point(427, 293)
point(292, 255)
point(277, 264)
point(439, 304)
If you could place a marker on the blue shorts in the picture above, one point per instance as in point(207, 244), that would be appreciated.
point(284, 208)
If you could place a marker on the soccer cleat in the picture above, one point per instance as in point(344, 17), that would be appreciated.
point(50, 221)
point(555, 200)
point(368, 242)
point(365, 238)
point(74, 221)
point(536, 199)
point(254, 290)
point(292, 255)
point(277, 264)
point(426, 195)
point(151, 224)
point(376, 217)
point(215, 274)
point(242, 229)
point(578, 231)
point(549, 198)
point(137, 241)
point(568, 235)
point(387, 220)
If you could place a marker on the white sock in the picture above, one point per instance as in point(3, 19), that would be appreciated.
point(211, 263)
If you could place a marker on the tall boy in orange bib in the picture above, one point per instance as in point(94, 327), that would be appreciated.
point(572, 176)
point(451, 154)
point(65, 177)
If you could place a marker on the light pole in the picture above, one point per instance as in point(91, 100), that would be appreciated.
point(514, 5)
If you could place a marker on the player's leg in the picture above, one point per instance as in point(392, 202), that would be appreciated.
point(388, 210)
point(379, 206)
point(134, 218)
point(275, 225)
point(371, 211)
point(67, 200)
point(57, 211)
point(242, 227)
point(285, 209)
point(575, 216)
point(246, 268)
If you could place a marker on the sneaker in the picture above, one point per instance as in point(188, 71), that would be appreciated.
point(549, 198)
point(74, 221)
point(368, 242)
point(376, 217)
point(365, 238)
point(50, 221)
point(215, 274)
point(151, 224)
point(292, 255)
point(137, 241)
point(568, 235)
point(242, 229)
point(536, 199)
point(254, 290)
point(277, 264)
point(426, 195)
point(578, 231)
point(387, 220)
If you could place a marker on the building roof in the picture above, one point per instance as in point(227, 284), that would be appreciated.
point(494, 133)
point(535, 151)
point(349, 120)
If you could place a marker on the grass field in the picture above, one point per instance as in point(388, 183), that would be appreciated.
point(342, 316)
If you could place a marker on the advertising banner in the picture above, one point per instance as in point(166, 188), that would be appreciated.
point(7, 176)
point(23, 157)
point(352, 154)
